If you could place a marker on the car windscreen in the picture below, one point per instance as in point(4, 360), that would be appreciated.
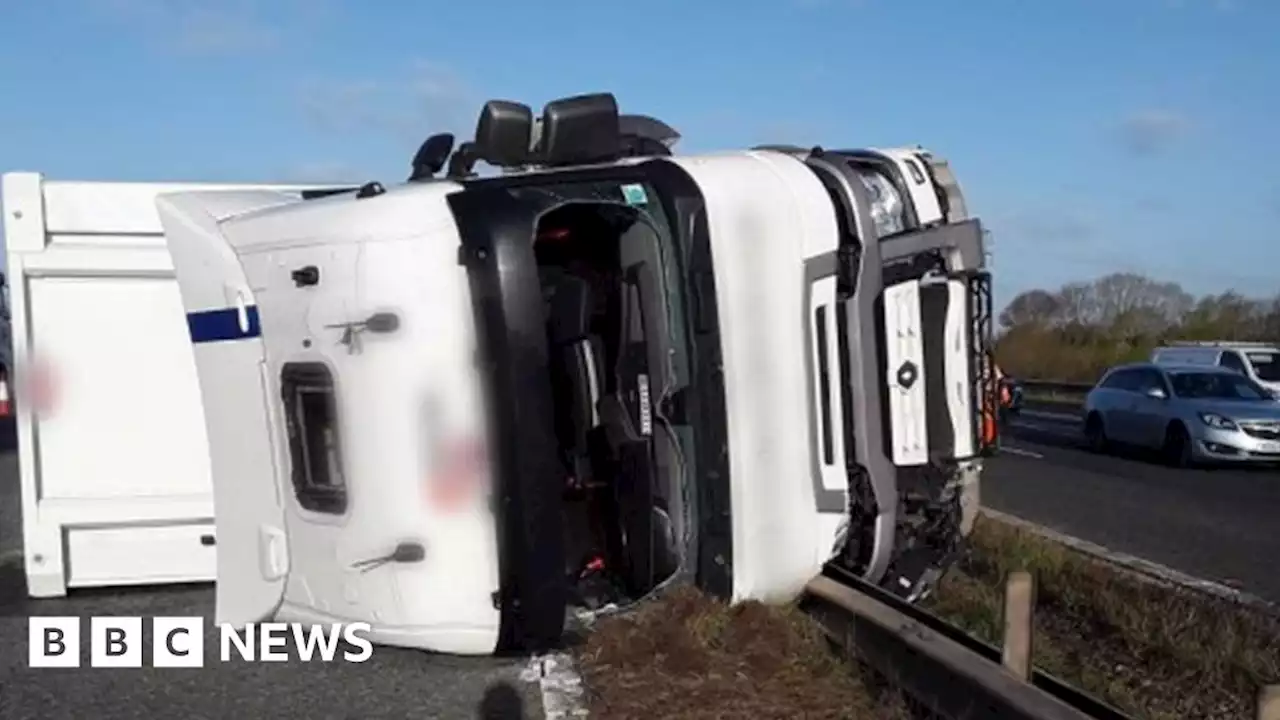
point(1216, 386)
point(1266, 365)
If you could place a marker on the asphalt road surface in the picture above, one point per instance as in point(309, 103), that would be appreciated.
point(392, 684)
point(1220, 524)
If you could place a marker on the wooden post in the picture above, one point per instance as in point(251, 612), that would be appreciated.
point(1019, 615)
point(1269, 703)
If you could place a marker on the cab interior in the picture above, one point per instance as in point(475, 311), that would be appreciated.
point(599, 268)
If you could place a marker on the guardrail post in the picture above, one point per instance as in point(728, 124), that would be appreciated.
point(1019, 616)
point(1269, 703)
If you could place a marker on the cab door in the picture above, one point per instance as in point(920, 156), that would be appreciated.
point(252, 557)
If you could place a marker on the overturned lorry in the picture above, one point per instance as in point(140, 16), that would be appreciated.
point(461, 408)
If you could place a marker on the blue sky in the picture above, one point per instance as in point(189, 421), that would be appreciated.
point(1091, 135)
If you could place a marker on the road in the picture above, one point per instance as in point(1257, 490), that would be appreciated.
point(393, 684)
point(1218, 524)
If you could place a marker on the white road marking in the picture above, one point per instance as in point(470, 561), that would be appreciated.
point(1143, 568)
point(1020, 451)
point(561, 685)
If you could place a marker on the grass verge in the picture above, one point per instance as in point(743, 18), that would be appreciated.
point(689, 656)
point(1153, 651)
point(1057, 397)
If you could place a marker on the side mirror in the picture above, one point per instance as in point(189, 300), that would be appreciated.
point(431, 156)
point(1157, 393)
point(503, 133)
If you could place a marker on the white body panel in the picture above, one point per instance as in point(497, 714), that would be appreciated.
point(401, 400)
point(909, 405)
point(759, 247)
point(224, 327)
point(1186, 356)
point(115, 477)
point(957, 368)
point(903, 344)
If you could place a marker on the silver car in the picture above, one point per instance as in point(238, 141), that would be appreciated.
point(1191, 414)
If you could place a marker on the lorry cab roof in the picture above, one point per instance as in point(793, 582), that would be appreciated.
point(286, 222)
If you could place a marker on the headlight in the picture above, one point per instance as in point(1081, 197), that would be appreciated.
point(888, 211)
point(1215, 420)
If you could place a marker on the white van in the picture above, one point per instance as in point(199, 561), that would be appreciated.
point(1258, 361)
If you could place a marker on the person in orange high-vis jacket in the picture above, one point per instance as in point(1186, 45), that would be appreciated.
point(991, 415)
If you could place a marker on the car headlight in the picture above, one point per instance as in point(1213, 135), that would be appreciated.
point(1214, 420)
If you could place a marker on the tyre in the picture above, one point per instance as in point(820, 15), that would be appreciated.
point(1096, 434)
point(1177, 447)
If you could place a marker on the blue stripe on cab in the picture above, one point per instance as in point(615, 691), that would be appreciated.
point(222, 324)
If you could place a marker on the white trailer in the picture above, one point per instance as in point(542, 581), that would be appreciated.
point(112, 448)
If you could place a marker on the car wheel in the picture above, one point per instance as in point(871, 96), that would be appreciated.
point(1177, 447)
point(1095, 434)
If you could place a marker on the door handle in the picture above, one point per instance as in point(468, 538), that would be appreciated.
point(273, 559)
point(242, 312)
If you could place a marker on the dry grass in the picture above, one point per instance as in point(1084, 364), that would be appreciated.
point(689, 656)
point(1152, 651)
point(1055, 397)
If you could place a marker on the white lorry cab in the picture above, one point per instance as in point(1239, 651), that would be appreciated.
point(464, 409)
point(1259, 362)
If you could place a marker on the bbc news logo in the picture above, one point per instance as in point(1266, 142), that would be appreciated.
point(178, 642)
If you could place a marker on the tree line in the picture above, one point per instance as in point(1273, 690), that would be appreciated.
point(1076, 332)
